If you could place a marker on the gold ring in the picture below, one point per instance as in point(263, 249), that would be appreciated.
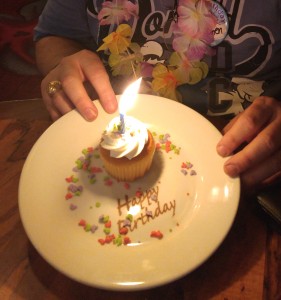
point(53, 87)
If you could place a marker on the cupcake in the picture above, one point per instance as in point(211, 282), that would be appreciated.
point(127, 156)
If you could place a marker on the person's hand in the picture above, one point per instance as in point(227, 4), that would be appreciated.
point(74, 71)
point(259, 127)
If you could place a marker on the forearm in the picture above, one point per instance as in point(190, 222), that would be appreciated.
point(51, 49)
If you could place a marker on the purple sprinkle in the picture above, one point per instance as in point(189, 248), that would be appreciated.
point(72, 206)
point(94, 228)
point(72, 188)
point(154, 197)
point(184, 172)
point(149, 213)
point(101, 218)
point(189, 165)
point(80, 188)
point(126, 223)
point(192, 173)
point(75, 169)
point(91, 176)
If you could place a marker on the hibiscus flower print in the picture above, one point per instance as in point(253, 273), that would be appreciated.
point(117, 11)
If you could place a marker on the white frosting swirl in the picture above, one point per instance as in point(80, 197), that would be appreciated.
point(129, 144)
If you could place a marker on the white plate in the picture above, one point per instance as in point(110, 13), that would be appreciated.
point(206, 203)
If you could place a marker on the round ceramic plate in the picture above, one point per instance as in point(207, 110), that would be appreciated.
point(128, 236)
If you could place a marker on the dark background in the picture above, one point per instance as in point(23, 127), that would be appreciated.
point(19, 78)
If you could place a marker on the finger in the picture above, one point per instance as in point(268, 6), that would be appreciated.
point(100, 81)
point(61, 102)
point(53, 112)
point(73, 87)
point(57, 104)
point(259, 150)
point(231, 123)
point(266, 171)
point(245, 128)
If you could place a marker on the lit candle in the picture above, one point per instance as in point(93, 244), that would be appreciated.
point(126, 102)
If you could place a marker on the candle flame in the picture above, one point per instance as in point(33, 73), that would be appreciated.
point(129, 97)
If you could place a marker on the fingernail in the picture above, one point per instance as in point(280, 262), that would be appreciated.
point(90, 114)
point(222, 150)
point(231, 170)
point(111, 106)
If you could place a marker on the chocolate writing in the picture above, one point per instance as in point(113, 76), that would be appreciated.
point(149, 208)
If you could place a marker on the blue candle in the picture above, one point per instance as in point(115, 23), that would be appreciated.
point(122, 124)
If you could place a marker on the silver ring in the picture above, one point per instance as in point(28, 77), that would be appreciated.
point(53, 87)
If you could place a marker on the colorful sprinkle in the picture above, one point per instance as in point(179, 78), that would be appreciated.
point(94, 228)
point(148, 213)
point(193, 172)
point(72, 206)
point(123, 230)
point(156, 234)
point(126, 240)
point(82, 222)
point(184, 172)
point(68, 196)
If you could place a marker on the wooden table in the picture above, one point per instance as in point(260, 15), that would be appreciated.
point(246, 266)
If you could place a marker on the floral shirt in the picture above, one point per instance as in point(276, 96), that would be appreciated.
point(169, 42)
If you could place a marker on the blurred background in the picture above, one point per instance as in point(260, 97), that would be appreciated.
point(19, 78)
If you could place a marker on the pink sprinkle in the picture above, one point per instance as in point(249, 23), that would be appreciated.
point(157, 234)
point(94, 228)
point(193, 172)
point(126, 240)
point(69, 179)
point(68, 196)
point(72, 206)
point(107, 224)
point(123, 230)
point(82, 222)
point(126, 185)
point(148, 213)
point(184, 165)
point(138, 194)
point(101, 241)
point(184, 172)
point(126, 223)
point(96, 170)
point(108, 182)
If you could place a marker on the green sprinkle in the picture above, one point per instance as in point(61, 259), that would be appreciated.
point(87, 227)
point(118, 241)
point(129, 217)
point(93, 180)
point(75, 179)
point(105, 219)
point(106, 230)
point(78, 193)
point(98, 204)
point(84, 151)
point(79, 164)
